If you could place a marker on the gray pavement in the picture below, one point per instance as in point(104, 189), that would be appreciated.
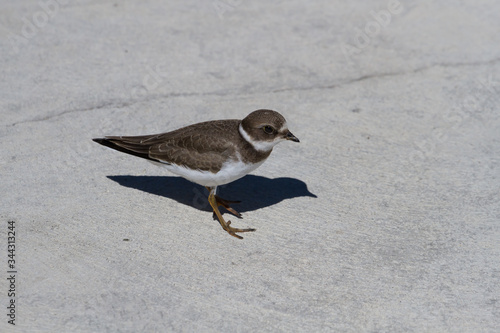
point(385, 218)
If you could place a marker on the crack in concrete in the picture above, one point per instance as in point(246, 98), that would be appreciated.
point(113, 104)
point(219, 93)
point(48, 117)
point(388, 74)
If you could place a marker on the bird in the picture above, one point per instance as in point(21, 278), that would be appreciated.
point(211, 153)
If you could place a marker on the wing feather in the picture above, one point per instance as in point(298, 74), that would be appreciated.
point(204, 146)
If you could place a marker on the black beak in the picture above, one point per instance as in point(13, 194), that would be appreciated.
point(290, 136)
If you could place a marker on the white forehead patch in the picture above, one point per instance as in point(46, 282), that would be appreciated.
point(283, 128)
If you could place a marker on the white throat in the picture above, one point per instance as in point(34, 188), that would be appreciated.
point(262, 146)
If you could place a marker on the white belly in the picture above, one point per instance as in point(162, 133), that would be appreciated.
point(229, 173)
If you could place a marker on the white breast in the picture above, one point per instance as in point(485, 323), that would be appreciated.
point(229, 172)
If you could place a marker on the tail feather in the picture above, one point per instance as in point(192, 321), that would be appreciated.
point(126, 147)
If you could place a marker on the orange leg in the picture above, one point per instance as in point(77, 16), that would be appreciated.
point(225, 203)
point(215, 202)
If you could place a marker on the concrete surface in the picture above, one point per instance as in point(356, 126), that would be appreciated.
point(397, 110)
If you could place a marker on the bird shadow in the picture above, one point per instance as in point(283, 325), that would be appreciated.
point(254, 192)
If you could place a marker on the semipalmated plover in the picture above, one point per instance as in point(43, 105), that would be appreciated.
point(211, 153)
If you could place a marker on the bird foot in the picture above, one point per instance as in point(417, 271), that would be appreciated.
point(215, 202)
point(232, 231)
point(226, 204)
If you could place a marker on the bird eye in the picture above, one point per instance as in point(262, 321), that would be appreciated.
point(268, 129)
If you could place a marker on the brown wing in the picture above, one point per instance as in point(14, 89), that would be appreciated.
point(204, 146)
